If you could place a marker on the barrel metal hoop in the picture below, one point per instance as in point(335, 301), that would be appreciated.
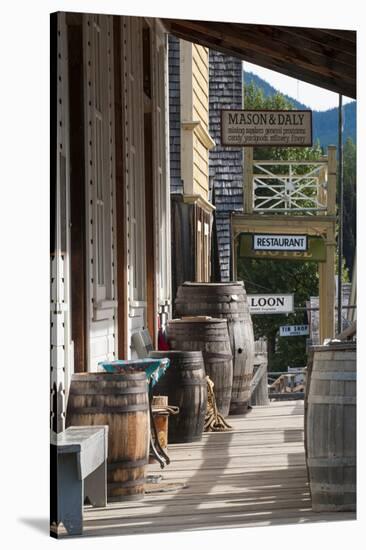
point(331, 400)
point(138, 376)
point(328, 375)
point(107, 410)
point(127, 464)
point(126, 484)
point(333, 488)
point(335, 461)
point(213, 355)
point(186, 382)
point(107, 391)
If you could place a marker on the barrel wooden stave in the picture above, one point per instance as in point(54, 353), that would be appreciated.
point(185, 384)
point(226, 301)
point(331, 428)
point(120, 401)
point(211, 338)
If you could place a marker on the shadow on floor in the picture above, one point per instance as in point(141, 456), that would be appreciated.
point(39, 524)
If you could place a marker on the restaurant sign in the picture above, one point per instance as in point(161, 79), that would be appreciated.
point(293, 243)
point(282, 247)
point(270, 303)
point(266, 128)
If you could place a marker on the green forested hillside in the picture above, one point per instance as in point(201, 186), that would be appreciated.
point(325, 123)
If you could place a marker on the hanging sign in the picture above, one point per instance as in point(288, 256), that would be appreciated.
point(276, 247)
point(293, 243)
point(266, 128)
point(270, 303)
point(294, 330)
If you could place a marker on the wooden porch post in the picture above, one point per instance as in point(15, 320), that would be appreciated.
point(248, 180)
point(122, 292)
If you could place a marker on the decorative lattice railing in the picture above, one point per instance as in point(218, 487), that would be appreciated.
point(282, 186)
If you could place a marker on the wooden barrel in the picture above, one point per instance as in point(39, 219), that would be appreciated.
point(331, 428)
point(211, 337)
point(160, 417)
point(121, 401)
point(185, 385)
point(226, 301)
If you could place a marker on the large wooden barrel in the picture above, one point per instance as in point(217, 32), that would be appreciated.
point(185, 385)
point(211, 337)
point(331, 428)
point(121, 401)
point(226, 301)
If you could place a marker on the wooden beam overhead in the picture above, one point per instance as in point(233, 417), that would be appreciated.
point(323, 57)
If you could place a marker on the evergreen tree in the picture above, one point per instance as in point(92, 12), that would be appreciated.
point(349, 204)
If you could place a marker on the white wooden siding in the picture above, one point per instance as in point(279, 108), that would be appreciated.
point(133, 105)
point(161, 182)
point(61, 349)
point(100, 187)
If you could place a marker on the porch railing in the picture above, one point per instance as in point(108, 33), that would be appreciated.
point(281, 186)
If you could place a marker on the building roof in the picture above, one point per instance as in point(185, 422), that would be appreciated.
point(323, 57)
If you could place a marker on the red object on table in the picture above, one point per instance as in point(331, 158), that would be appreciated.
point(163, 344)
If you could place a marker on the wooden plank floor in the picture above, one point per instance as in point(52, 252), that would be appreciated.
point(254, 475)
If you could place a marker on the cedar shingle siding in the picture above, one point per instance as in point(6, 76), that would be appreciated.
point(226, 168)
point(176, 185)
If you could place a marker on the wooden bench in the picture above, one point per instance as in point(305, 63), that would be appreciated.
point(78, 470)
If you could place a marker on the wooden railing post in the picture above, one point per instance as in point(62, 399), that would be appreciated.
point(259, 388)
point(248, 181)
point(332, 180)
point(322, 192)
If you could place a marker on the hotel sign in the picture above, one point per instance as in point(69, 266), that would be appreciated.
point(282, 247)
point(270, 303)
point(294, 330)
point(266, 128)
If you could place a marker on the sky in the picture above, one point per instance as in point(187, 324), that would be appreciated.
point(318, 99)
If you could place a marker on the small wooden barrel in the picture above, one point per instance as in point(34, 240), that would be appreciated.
point(331, 428)
point(161, 421)
point(119, 400)
point(185, 385)
point(226, 301)
point(211, 337)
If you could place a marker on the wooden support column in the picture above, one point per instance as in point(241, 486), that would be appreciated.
point(122, 310)
point(248, 180)
point(322, 301)
point(77, 192)
point(327, 289)
point(327, 269)
point(332, 180)
point(322, 191)
point(234, 256)
point(330, 275)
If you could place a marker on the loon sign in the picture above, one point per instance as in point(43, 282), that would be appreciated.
point(270, 303)
point(266, 128)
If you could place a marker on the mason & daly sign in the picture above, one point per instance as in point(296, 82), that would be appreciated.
point(268, 128)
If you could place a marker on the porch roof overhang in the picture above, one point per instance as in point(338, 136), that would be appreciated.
point(323, 57)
